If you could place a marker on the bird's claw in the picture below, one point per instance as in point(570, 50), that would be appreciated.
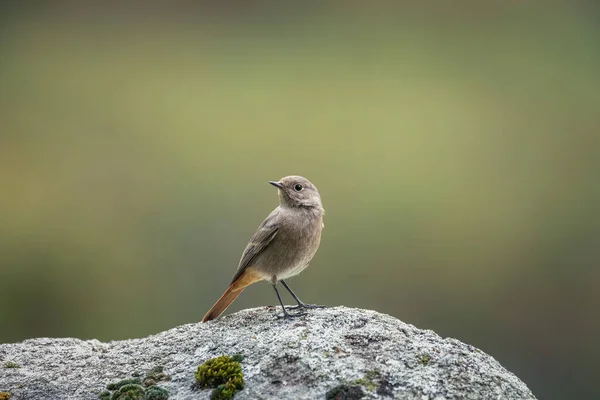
point(307, 306)
point(286, 315)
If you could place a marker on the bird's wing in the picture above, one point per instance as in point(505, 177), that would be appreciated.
point(264, 235)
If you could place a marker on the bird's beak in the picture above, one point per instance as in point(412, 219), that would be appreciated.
point(276, 184)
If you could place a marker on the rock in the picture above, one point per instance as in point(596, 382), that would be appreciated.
point(337, 353)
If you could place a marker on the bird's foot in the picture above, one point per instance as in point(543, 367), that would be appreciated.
point(304, 305)
point(286, 314)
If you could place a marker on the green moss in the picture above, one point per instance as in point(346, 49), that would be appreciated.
point(5, 396)
point(304, 335)
point(224, 392)
point(368, 381)
point(218, 371)
point(10, 364)
point(156, 393)
point(155, 375)
point(130, 391)
point(223, 374)
point(345, 392)
point(238, 357)
point(149, 382)
point(372, 374)
point(118, 385)
point(424, 358)
point(104, 395)
point(134, 389)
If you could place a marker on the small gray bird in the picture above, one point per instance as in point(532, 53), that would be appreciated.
point(282, 246)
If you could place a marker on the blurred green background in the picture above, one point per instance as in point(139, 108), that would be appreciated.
point(456, 148)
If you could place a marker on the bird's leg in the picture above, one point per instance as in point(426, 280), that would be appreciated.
point(286, 314)
point(301, 304)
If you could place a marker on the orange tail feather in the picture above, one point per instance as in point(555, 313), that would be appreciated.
point(247, 278)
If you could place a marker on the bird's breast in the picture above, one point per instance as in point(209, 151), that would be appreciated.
point(294, 246)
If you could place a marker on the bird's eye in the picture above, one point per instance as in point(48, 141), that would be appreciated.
point(298, 187)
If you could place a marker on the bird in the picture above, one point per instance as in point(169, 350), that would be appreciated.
point(283, 245)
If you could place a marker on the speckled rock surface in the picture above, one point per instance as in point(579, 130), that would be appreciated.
point(348, 352)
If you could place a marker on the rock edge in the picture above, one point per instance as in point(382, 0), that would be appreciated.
point(328, 350)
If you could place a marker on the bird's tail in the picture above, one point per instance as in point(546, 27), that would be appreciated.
point(245, 279)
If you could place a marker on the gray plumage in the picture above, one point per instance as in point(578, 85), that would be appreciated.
point(284, 243)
